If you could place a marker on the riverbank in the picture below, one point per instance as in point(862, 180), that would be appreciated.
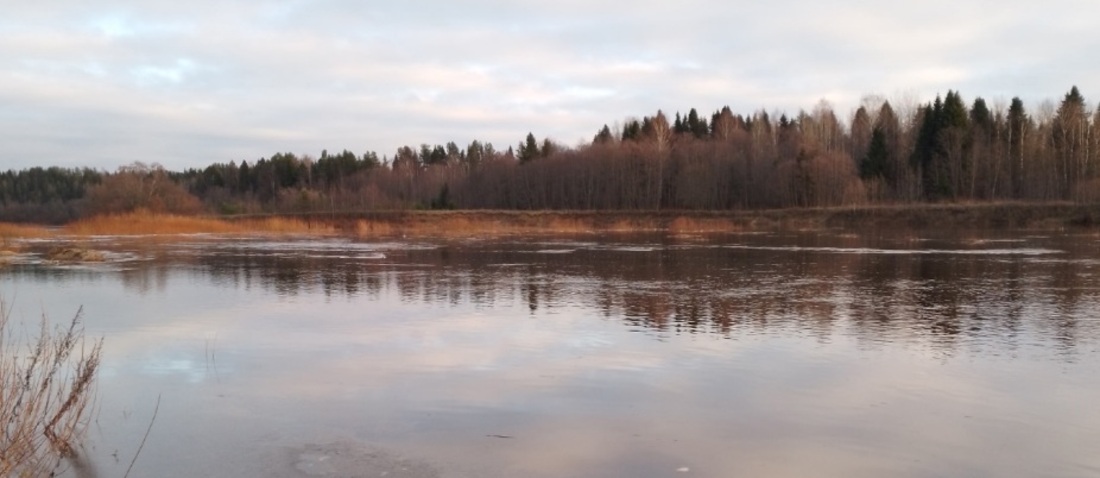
point(1049, 216)
point(1046, 216)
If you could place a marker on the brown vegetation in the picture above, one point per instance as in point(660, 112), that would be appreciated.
point(45, 396)
point(502, 222)
point(10, 234)
point(940, 151)
point(74, 254)
point(947, 150)
point(21, 231)
point(140, 187)
point(148, 223)
point(489, 223)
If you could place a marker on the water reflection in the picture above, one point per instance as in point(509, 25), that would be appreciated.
point(942, 293)
point(783, 355)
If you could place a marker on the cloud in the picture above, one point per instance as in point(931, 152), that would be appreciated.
point(189, 84)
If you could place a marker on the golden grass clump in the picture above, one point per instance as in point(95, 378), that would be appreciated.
point(46, 390)
point(366, 228)
point(142, 223)
point(146, 223)
point(21, 231)
point(75, 254)
point(10, 234)
point(284, 225)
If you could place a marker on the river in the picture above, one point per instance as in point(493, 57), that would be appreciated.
point(870, 354)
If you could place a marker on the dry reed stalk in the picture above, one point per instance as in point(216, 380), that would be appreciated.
point(285, 225)
point(45, 395)
point(142, 223)
point(145, 223)
point(18, 231)
point(11, 233)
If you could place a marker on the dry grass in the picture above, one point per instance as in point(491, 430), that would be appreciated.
point(906, 216)
point(491, 223)
point(74, 254)
point(11, 233)
point(46, 390)
point(284, 225)
point(21, 231)
point(144, 223)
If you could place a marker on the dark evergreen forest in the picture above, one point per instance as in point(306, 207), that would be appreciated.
point(949, 150)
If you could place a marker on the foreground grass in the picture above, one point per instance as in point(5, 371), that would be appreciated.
point(46, 390)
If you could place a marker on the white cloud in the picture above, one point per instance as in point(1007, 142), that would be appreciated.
point(189, 84)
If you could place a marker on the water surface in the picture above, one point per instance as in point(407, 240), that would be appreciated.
point(801, 354)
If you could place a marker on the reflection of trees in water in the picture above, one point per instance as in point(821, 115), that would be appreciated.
point(947, 301)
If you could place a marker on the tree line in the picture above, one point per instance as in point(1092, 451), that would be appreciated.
point(944, 150)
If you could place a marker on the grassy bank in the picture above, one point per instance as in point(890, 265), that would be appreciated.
point(142, 223)
point(488, 223)
point(948, 216)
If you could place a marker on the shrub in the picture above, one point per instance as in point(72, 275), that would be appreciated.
point(46, 389)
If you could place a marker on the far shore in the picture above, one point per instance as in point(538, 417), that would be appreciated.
point(920, 216)
point(459, 223)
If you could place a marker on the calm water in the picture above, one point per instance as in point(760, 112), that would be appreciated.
point(816, 354)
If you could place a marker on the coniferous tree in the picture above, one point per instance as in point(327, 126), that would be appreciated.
point(604, 136)
point(1070, 140)
point(548, 148)
point(696, 125)
point(632, 130)
point(860, 138)
point(875, 163)
point(1017, 126)
point(529, 149)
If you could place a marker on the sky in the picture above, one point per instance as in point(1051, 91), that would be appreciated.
point(186, 84)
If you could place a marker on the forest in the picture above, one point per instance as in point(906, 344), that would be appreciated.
point(947, 150)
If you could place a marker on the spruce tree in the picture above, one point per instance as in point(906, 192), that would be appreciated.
point(876, 162)
point(529, 149)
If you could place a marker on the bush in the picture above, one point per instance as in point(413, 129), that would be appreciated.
point(46, 385)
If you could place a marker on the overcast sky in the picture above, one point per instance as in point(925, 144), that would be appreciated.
point(185, 84)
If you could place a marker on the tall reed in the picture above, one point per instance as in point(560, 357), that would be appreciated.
point(46, 393)
point(146, 223)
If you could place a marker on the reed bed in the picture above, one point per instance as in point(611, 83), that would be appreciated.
point(11, 234)
point(488, 223)
point(144, 223)
point(285, 225)
point(46, 393)
point(491, 223)
point(1057, 215)
point(21, 231)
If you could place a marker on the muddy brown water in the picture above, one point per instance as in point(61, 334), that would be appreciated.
point(796, 354)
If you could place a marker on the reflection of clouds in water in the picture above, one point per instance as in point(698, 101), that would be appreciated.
point(1023, 251)
point(840, 283)
point(833, 364)
point(189, 369)
point(305, 245)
